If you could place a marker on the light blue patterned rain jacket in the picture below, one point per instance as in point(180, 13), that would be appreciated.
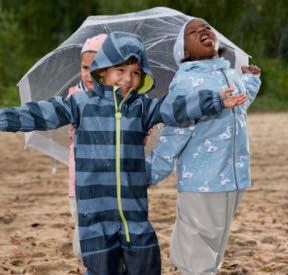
point(213, 154)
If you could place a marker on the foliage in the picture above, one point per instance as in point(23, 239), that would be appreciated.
point(11, 63)
point(30, 28)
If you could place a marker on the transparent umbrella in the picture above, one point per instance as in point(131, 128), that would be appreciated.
point(58, 70)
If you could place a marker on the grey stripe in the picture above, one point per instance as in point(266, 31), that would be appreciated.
point(108, 151)
point(106, 178)
point(108, 203)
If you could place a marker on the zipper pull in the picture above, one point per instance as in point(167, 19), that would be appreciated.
point(118, 115)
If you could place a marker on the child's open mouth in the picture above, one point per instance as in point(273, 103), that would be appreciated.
point(206, 40)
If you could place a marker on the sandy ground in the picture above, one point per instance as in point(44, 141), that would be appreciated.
point(36, 227)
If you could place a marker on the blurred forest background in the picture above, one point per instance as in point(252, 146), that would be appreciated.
point(30, 28)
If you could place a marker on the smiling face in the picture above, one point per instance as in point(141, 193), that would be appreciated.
point(200, 41)
point(127, 77)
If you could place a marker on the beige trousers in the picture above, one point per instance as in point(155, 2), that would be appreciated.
point(201, 230)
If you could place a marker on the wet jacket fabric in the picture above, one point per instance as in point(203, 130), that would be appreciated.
point(80, 87)
point(213, 154)
point(111, 183)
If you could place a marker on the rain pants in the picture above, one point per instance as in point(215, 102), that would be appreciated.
point(111, 185)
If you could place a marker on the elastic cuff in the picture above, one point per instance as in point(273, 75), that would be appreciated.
point(218, 103)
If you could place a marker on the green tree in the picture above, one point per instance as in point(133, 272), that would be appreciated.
point(11, 52)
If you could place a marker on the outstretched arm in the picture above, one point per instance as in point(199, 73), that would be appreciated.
point(252, 82)
point(42, 115)
point(183, 104)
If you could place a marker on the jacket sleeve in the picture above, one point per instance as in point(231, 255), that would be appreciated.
point(184, 104)
point(160, 162)
point(151, 112)
point(252, 85)
point(42, 115)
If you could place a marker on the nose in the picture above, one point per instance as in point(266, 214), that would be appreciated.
point(201, 29)
point(89, 76)
point(127, 78)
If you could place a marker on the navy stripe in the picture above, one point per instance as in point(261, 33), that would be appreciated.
point(35, 111)
point(92, 110)
point(109, 137)
point(111, 52)
point(152, 112)
point(100, 263)
point(86, 220)
point(105, 242)
point(145, 239)
point(98, 191)
point(13, 120)
point(109, 165)
point(135, 110)
point(99, 243)
point(179, 111)
point(206, 102)
point(60, 112)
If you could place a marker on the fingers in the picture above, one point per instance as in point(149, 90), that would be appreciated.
point(241, 100)
point(253, 69)
point(226, 92)
point(232, 101)
point(245, 69)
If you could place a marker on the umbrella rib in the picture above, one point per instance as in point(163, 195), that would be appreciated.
point(126, 18)
point(67, 84)
point(161, 66)
point(169, 36)
point(156, 42)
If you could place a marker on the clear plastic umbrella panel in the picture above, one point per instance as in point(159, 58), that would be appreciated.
point(58, 70)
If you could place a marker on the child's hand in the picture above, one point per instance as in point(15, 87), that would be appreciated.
point(231, 101)
point(148, 135)
point(73, 90)
point(251, 69)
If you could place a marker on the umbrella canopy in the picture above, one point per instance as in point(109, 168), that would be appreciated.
point(58, 70)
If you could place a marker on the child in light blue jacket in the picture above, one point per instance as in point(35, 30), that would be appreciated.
point(212, 153)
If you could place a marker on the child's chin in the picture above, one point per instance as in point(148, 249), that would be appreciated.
point(90, 86)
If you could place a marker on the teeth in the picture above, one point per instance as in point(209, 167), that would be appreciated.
point(204, 37)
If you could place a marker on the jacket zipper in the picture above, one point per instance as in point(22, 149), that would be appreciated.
point(234, 133)
point(118, 116)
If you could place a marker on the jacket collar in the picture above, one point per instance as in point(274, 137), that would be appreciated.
point(207, 65)
point(107, 91)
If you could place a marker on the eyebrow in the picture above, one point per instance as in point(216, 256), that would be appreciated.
point(194, 28)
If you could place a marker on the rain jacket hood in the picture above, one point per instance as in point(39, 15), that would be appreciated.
point(178, 49)
point(117, 49)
